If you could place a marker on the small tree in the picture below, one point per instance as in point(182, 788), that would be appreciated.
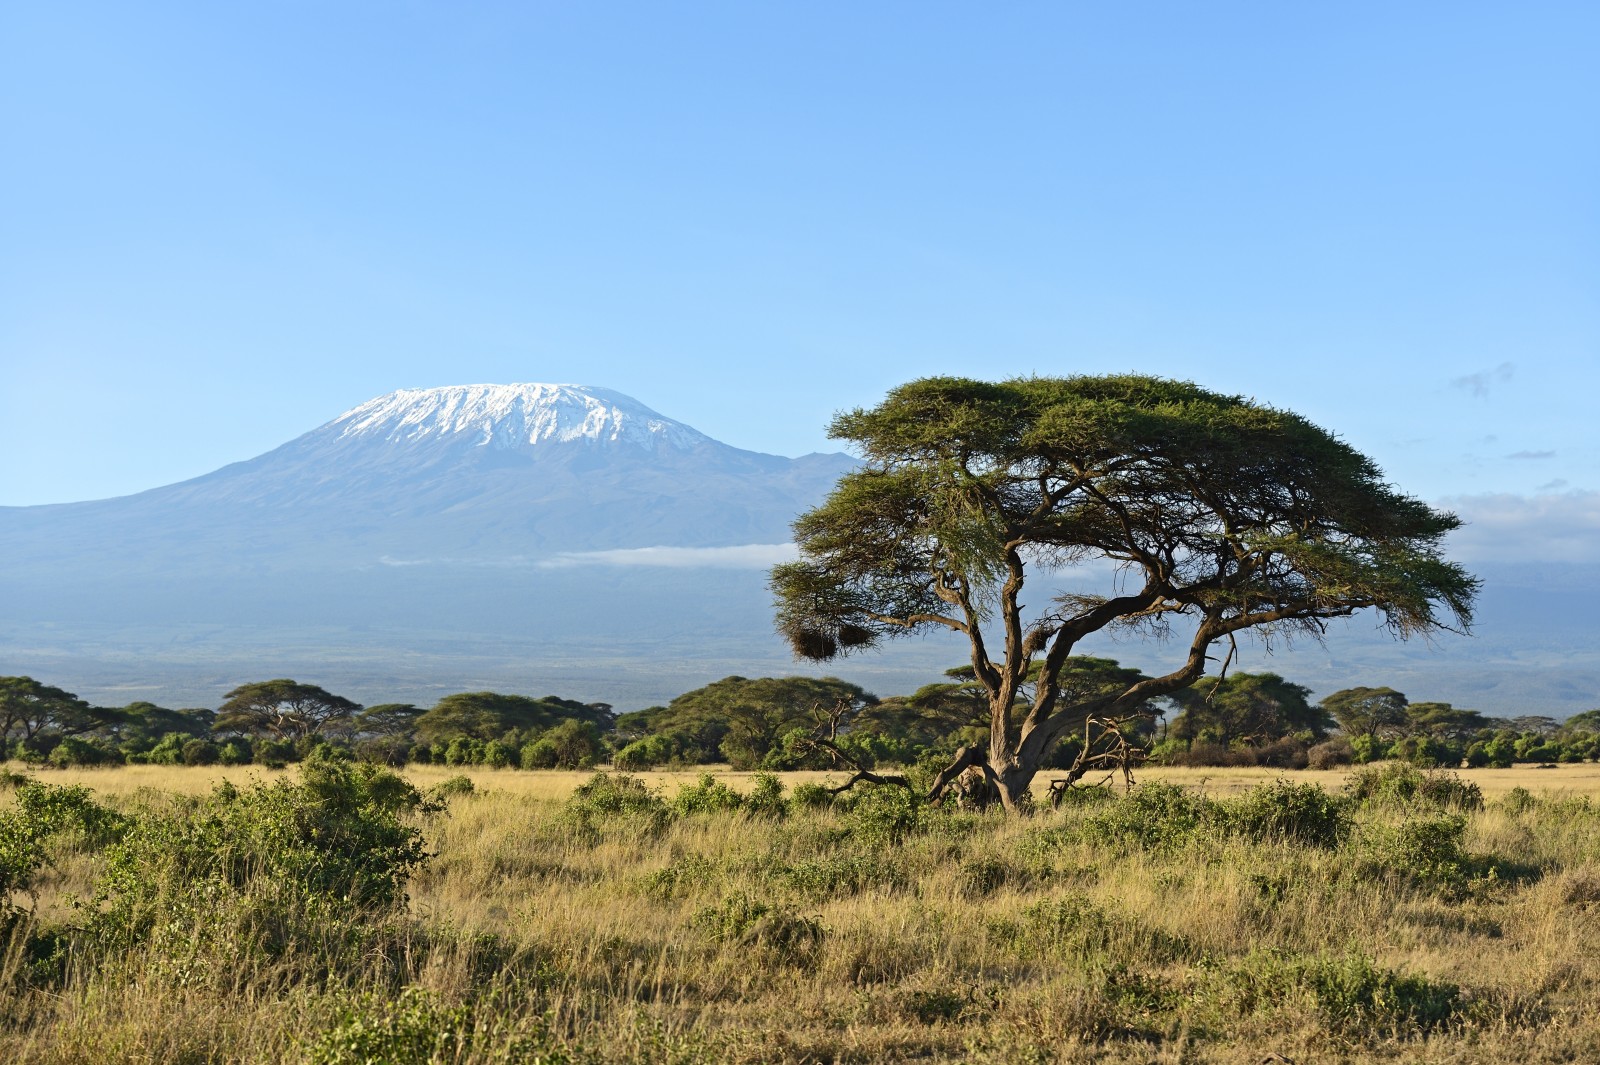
point(1216, 512)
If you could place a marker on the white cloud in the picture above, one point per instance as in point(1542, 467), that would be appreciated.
point(1532, 455)
point(744, 556)
point(1551, 527)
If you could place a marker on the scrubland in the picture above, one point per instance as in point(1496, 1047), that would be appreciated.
point(324, 915)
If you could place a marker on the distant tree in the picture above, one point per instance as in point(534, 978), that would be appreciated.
point(749, 716)
point(1444, 722)
point(37, 715)
point(1537, 724)
point(490, 715)
point(1253, 709)
point(1374, 712)
point(1213, 508)
point(284, 709)
point(1588, 721)
point(139, 726)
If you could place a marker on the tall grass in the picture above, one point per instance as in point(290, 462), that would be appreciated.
point(668, 922)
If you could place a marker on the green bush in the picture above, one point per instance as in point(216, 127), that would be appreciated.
point(1282, 812)
point(1350, 994)
point(608, 800)
point(275, 864)
point(45, 818)
point(885, 814)
point(414, 1028)
point(1427, 851)
point(451, 788)
point(766, 798)
point(809, 796)
point(749, 922)
point(1154, 814)
point(200, 752)
point(707, 795)
point(1403, 784)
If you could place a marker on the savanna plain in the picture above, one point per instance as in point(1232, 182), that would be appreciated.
point(338, 912)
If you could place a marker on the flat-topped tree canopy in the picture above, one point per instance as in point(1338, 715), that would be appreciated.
point(1216, 508)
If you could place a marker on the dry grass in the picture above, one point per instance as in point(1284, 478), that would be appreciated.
point(975, 938)
point(1575, 779)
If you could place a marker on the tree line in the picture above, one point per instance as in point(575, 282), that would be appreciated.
point(782, 723)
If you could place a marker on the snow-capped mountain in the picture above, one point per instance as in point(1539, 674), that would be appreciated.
point(474, 472)
point(515, 416)
point(424, 525)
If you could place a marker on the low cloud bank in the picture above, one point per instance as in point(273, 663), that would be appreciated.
point(1553, 527)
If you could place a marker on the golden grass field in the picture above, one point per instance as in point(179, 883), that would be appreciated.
point(1575, 779)
point(975, 938)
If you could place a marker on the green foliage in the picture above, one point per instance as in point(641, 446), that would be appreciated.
point(284, 709)
point(616, 800)
point(766, 798)
point(1427, 851)
point(777, 931)
point(706, 795)
point(881, 815)
point(1282, 812)
point(486, 716)
point(1251, 709)
point(44, 818)
point(1402, 784)
point(414, 1028)
point(273, 862)
point(1233, 513)
point(1349, 994)
point(809, 796)
point(1370, 712)
point(451, 788)
point(1154, 814)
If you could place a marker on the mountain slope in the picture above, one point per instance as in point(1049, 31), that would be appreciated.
point(479, 473)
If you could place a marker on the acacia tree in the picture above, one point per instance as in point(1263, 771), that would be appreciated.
point(1369, 711)
point(284, 709)
point(1218, 512)
point(1250, 708)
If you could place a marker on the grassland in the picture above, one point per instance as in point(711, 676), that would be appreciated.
point(1163, 927)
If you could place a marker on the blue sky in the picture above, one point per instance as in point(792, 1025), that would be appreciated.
point(224, 224)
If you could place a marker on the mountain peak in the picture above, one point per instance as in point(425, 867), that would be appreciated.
point(515, 416)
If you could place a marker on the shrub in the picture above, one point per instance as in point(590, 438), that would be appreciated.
point(414, 1028)
point(276, 864)
point(766, 798)
point(540, 754)
point(1350, 994)
point(1403, 784)
point(43, 817)
point(450, 788)
point(1282, 812)
point(707, 795)
point(1331, 754)
point(884, 814)
point(808, 796)
point(615, 798)
point(1151, 815)
point(749, 922)
point(1427, 851)
point(646, 753)
point(200, 752)
point(73, 750)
